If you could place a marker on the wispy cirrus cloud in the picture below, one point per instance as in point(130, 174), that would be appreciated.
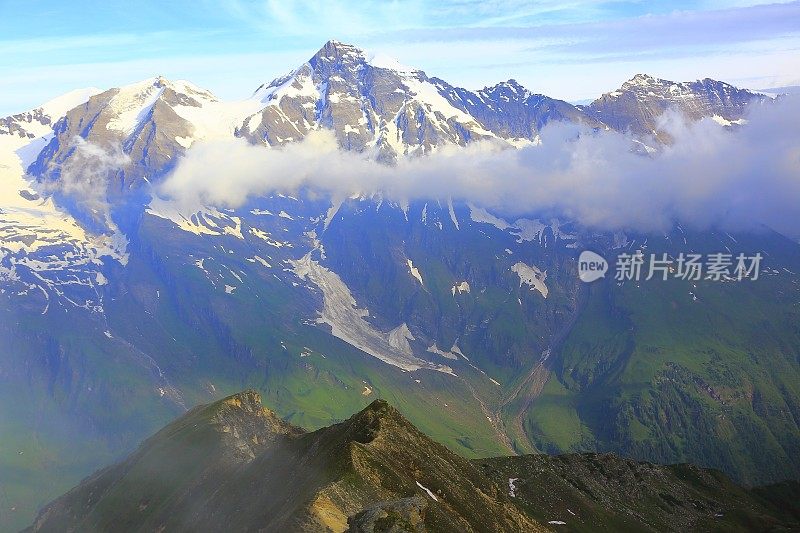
point(571, 50)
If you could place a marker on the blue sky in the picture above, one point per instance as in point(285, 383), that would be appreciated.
point(573, 50)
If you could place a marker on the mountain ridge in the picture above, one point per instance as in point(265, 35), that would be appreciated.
point(294, 480)
point(376, 470)
point(382, 107)
point(640, 102)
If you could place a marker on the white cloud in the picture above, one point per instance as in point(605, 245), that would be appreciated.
point(85, 176)
point(708, 176)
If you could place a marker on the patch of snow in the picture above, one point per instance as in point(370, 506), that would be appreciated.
point(414, 271)
point(214, 119)
point(524, 229)
point(61, 105)
point(399, 337)
point(347, 321)
point(335, 205)
point(389, 63)
point(435, 350)
point(428, 491)
point(452, 213)
point(428, 95)
point(204, 221)
point(529, 230)
point(456, 350)
point(480, 215)
point(722, 121)
point(267, 238)
point(186, 142)
point(460, 287)
point(259, 259)
point(531, 275)
point(132, 103)
point(512, 488)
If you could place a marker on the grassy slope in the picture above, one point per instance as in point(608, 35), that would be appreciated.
point(651, 373)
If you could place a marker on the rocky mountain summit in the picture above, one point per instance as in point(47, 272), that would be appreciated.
point(374, 103)
point(641, 101)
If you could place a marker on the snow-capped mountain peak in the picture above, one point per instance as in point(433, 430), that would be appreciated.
point(131, 104)
point(371, 102)
point(506, 90)
point(334, 50)
point(152, 121)
point(643, 80)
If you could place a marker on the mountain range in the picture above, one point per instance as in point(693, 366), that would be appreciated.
point(120, 310)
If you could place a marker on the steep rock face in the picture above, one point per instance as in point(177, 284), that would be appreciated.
point(637, 105)
point(512, 111)
point(172, 473)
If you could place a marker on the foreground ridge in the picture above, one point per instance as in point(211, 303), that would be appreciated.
point(234, 465)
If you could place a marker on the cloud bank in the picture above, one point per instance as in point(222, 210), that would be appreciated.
point(709, 176)
point(84, 177)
